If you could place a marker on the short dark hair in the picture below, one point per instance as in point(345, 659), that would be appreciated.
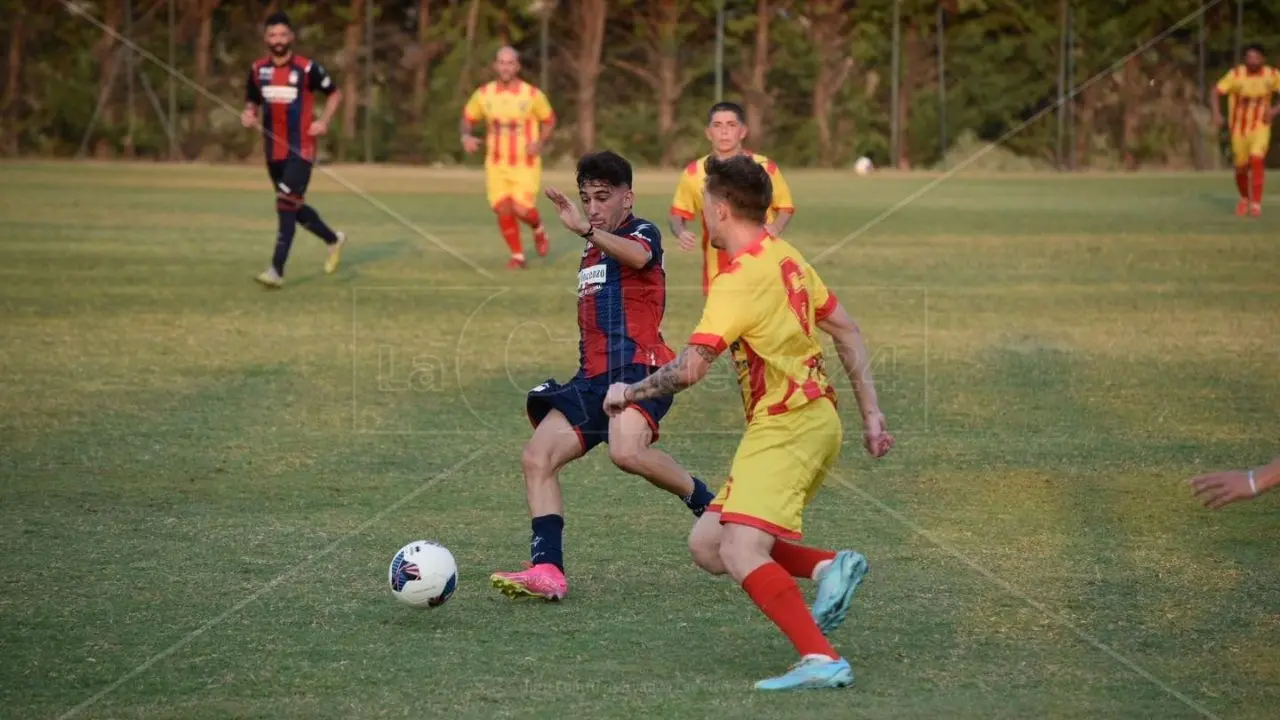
point(1255, 47)
point(278, 18)
point(734, 108)
point(607, 167)
point(743, 183)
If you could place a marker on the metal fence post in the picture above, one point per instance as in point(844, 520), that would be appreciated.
point(895, 64)
point(942, 84)
point(368, 81)
point(719, 50)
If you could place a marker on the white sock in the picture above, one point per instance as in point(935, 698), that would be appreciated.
point(817, 570)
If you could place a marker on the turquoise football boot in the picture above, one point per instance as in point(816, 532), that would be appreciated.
point(812, 672)
point(836, 585)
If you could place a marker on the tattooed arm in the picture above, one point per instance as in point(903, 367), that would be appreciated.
point(680, 374)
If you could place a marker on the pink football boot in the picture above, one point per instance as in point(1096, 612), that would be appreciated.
point(543, 580)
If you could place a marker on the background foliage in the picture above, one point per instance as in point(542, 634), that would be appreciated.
point(637, 75)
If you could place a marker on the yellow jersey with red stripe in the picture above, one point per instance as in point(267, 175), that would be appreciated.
point(1249, 97)
point(765, 307)
point(687, 204)
point(514, 114)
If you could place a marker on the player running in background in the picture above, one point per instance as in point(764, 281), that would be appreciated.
point(1248, 89)
point(280, 94)
point(621, 300)
point(726, 129)
point(765, 307)
point(520, 121)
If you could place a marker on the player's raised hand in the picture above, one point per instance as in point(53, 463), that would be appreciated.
point(688, 241)
point(318, 128)
point(1219, 489)
point(568, 211)
point(875, 437)
point(615, 401)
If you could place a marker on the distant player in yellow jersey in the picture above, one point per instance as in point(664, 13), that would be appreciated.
point(1249, 89)
point(766, 308)
point(726, 129)
point(519, 120)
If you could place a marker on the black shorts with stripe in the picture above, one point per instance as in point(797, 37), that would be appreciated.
point(290, 177)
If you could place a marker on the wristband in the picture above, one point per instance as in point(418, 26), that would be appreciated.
point(1253, 487)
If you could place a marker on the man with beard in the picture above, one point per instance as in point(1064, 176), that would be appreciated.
point(1249, 88)
point(518, 123)
point(282, 88)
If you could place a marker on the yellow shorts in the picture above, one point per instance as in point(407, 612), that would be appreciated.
point(780, 464)
point(1251, 144)
point(518, 184)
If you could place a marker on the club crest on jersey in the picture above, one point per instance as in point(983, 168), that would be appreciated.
point(293, 77)
point(264, 75)
point(591, 280)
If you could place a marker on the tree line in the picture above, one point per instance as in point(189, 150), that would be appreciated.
point(815, 76)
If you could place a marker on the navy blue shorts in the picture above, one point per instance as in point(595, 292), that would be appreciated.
point(581, 401)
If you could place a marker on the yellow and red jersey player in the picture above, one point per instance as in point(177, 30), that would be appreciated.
point(727, 130)
point(767, 307)
point(1249, 88)
point(518, 120)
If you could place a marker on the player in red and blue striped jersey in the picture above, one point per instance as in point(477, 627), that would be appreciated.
point(282, 88)
point(622, 296)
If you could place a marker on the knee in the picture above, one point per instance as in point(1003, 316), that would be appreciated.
point(705, 552)
point(626, 456)
point(536, 462)
point(737, 557)
point(288, 202)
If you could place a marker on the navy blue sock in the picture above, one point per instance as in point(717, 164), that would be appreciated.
point(700, 498)
point(284, 239)
point(310, 219)
point(546, 543)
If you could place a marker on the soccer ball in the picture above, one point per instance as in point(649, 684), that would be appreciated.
point(863, 166)
point(423, 574)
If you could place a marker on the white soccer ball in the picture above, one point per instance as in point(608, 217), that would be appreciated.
point(423, 574)
point(863, 166)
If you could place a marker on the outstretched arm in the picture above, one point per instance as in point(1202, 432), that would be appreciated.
point(857, 365)
point(680, 374)
point(1218, 489)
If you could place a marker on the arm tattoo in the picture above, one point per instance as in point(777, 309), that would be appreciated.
point(672, 377)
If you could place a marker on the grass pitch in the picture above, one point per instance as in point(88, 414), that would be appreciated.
point(203, 482)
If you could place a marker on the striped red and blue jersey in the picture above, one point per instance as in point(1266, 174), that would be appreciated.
point(620, 309)
point(286, 94)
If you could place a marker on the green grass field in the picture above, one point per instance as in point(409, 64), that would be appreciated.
point(203, 482)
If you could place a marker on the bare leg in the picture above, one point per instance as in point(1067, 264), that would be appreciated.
point(704, 543)
point(555, 443)
point(629, 438)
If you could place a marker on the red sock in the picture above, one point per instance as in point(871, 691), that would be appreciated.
point(799, 560)
point(1259, 172)
point(1242, 181)
point(510, 228)
point(777, 595)
point(532, 218)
